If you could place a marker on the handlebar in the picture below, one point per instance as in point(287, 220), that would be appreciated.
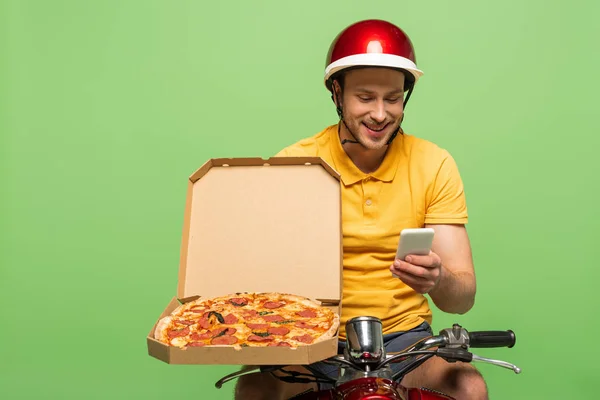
point(492, 339)
point(451, 344)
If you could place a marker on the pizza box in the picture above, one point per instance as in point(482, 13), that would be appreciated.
point(259, 225)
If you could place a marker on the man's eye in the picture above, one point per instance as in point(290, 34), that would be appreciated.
point(394, 100)
point(364, 98)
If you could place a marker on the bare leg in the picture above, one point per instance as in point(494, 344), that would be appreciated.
point(459, 380)
point(266, 387)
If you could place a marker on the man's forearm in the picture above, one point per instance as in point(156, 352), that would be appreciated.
point(455, 292)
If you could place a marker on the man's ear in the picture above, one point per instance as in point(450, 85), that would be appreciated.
point(336, 93)
point(336, 96)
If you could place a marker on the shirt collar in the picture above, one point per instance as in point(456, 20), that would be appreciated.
point(350, 173)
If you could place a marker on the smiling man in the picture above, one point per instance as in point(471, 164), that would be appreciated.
point(390, 181)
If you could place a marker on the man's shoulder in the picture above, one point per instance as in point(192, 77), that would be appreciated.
point(308, 147)
point(420, 149)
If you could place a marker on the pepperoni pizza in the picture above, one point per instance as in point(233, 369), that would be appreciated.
point(248, 319)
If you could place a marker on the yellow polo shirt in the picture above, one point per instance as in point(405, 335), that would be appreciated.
point(417, 183)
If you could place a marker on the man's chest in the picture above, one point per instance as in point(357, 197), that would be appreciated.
point(374, 212)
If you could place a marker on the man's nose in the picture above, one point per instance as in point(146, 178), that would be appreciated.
point(378, 113)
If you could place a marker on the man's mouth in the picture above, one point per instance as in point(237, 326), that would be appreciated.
point(375, 128)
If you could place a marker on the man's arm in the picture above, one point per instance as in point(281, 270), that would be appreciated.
point(455, 290)
point(447, 273)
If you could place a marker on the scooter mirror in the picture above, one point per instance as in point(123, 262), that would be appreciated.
point(364, 340)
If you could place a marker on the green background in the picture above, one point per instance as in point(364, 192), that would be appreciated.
point(108, 106)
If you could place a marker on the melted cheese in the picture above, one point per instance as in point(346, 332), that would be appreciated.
point(179, 341)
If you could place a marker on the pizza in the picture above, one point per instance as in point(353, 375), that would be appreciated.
point(248, 319)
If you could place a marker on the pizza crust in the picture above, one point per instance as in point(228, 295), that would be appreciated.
point(301, 299)
point(315, 304)
point(183, 308)
point(160, 333)
point(332, 331)
point(311, 303)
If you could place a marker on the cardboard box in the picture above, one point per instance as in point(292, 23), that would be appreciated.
point(256, 225)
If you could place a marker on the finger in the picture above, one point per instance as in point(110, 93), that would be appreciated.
point(423, 261)
point(415, 270)
point(414, 277)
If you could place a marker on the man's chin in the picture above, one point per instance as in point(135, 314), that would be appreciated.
point(375, 144)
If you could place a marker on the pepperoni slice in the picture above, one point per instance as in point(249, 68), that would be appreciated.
point(256, 338)
point(304, 338)
point(202, 336)
point(278, 330)
point(273, 318)
point(307, 314)
point(218, 331)
point(273, 304)
point(223, 331)
point(204, 322)
point(239, 301)
point(196, 344)
point(304, 325)
point(257, 326)
point(230, 319)
point(226, 340)
point(250, 313)
point(179, 333)
point(279, 344)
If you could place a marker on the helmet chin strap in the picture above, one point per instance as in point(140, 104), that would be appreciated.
point(341, 116)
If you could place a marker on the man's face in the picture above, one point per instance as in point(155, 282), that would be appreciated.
point(373, 104)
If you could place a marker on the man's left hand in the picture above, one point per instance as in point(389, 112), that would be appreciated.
point(422, 273)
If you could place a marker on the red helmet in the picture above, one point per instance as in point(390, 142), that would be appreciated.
point(372, 43)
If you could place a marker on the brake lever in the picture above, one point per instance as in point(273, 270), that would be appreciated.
point(457, 354)
point(498, 363)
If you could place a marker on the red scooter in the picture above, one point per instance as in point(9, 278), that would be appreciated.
point(365, 373)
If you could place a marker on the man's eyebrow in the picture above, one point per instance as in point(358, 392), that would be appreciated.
point(365, 90)
point(397, 91)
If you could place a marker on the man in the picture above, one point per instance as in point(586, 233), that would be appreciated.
point(390, 181)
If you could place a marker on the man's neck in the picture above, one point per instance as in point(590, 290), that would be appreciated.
point(366, 160)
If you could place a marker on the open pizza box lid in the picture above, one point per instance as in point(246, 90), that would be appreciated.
point(255, 225)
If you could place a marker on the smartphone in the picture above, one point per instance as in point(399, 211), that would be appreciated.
point(414, 241)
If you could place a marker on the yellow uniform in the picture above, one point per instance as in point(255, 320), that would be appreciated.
point(418, 183)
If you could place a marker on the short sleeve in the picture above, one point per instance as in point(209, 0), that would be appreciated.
point(283, 153)
point(292, 151)
point(446, 201)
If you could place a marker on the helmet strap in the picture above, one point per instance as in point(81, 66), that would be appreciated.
point(395, 132)
point(340, 113)
point(348, 129)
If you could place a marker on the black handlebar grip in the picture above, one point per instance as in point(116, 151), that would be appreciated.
point(492, 339)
